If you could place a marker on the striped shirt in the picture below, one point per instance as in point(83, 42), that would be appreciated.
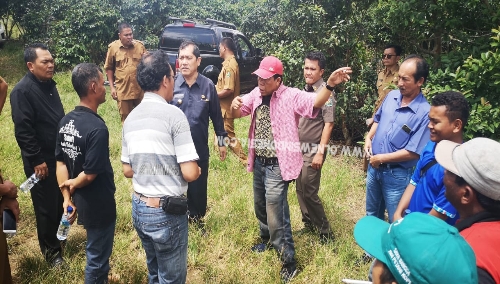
point(155, 140)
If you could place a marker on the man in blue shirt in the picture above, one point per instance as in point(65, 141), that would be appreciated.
point(426, 192)
point(396, 139)
point(196, 96)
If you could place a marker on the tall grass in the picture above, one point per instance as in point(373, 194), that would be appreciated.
point(223, 255)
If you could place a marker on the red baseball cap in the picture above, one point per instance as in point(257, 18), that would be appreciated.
point(269, 66)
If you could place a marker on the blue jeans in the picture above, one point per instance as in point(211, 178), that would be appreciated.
point(271, 208)
point(98, 250)
point(384, 188)
point(165, 239)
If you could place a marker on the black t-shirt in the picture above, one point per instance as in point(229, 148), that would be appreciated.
point(83, 145)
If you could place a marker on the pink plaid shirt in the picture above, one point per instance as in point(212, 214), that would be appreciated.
point(287, 106)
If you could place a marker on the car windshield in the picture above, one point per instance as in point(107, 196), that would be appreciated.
point(204, 38)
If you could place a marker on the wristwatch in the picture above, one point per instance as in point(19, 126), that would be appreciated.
point(329, 88)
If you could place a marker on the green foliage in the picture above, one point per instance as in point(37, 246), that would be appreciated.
point(82, 31)
point(478, 79)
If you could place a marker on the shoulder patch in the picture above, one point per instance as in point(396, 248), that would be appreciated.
point(329, 103)
point(228, 74)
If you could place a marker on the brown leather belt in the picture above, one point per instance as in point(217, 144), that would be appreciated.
point(155, 202)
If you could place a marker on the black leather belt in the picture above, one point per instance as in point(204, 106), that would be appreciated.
point(267, 161)
point(390, 166)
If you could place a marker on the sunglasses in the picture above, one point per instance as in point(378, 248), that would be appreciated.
point(388, 56)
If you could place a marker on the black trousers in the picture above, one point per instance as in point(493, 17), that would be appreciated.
point(197, 193)
point(47, 203)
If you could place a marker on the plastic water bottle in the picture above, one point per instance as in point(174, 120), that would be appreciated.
point(63, 230)
point(29, 183)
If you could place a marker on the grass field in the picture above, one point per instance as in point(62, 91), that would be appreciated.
point(221, 256)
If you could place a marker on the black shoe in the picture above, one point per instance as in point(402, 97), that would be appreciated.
point(288, 272)
point(325, 238)
point(308, 229)
point(57, 261)
point(261, 247)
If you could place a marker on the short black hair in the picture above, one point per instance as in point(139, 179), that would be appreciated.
point(122, 26)
point(397, 48)
point(229, 44)
point(83, 75)
point(457, 106)
point(154, 66)
point(422, 70)
point(186, 43)
point(30, 51)
point(319, 56)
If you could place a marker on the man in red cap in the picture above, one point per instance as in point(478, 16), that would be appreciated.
point(275, 155)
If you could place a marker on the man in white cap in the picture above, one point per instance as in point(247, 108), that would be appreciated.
point(472, 181)
point(274, 154)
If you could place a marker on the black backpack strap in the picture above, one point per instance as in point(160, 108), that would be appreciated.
point(427, 167)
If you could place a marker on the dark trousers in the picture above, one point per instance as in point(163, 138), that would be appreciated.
point(310, 204)
point(197, 193)
point(47, 203)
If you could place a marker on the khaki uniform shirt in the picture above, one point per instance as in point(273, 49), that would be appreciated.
point(229, 78)
point(123, 61)
point(311, 129)
point(385, 78)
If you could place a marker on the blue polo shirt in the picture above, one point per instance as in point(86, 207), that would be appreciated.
point(392, 134)
point(429, 190)
point(199, 103)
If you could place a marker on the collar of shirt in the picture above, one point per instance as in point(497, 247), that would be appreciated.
point(316, 85)
point(86, 109)
point(48, 83)
point(182, 80)
point(392, 70)
point(414, 104)
point(226, 61)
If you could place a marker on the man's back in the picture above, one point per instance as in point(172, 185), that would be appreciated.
point(83, 145)
point(155, 136)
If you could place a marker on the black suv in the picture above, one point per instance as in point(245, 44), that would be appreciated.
point(208, 36)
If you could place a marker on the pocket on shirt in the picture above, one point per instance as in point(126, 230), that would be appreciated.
point(400, 138)
point(200, 110)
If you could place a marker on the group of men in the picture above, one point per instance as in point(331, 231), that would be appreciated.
point(165, 152)
point(416, 167)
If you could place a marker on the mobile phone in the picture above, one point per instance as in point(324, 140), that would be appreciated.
point(406, 128)
point(9, 222)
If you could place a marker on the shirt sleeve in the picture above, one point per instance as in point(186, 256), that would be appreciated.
point(420, 138)
point(441, 204)
point(329, 109)
point(248, 101)
point(59, 152)
point(125, 156)
point(97, 154)
point(23, 116)
point(303, 104)
point(109, 63)
point(185, 150)
point(228, 78)
point(216, 115)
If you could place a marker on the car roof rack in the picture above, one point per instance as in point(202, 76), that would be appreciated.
point(220, 23)
point(180, 21)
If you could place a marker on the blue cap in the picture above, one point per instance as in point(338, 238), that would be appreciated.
point(70, 209)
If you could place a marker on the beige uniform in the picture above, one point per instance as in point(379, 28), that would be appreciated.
point(386, 77)
point(123, 62)
point(229, 79)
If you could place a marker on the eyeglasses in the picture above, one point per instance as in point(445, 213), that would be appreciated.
point(388, 56)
